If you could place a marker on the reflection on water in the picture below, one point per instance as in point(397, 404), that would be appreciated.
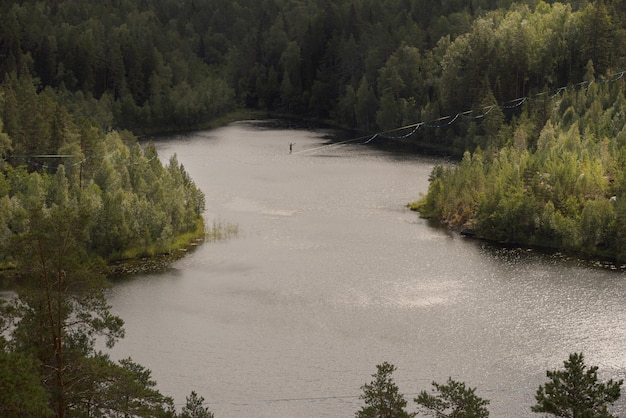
point(330, 275)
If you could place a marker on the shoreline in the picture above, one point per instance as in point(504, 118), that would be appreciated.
point(590, 260)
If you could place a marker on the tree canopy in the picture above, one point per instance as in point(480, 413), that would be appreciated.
point(562, 187)
point(575, 392)
point(131, 203)
point(161, 63)
point(454, 400)
point(382, 397)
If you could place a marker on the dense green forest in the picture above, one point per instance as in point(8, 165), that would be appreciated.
point(373, 65)
point(495, 78)
point(136, 206)
point(530, 94)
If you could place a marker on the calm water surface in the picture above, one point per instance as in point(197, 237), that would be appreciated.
point(331, 275)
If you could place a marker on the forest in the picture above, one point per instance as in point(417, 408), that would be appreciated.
point(509, 82)
point(525, 97)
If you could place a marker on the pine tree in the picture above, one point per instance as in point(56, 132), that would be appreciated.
point(453, 399)
point(382, 397)
point(575, 392)
point(195, 407)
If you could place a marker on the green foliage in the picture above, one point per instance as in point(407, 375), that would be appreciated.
point(21, 391)
point(366, 105)
point(575, 391)
point(161, 64)
point(132, 204)
point(72, 195)
point(117, 59)
point(49, 364)
point(194, 408)
point(127, 390)
point(560, 188)
point(452, 400)
point(381, 396)
point(61, 307)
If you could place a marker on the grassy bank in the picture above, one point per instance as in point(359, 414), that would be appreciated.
point(155, 249)
point(155, 258)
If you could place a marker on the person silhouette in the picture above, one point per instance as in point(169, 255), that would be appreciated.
point(291, 144)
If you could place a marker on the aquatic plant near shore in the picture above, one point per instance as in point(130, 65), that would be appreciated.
point(221, 231)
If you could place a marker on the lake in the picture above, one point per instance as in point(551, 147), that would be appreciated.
point(331, 275)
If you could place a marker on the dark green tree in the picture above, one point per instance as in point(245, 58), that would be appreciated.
point(382, 397)
point(452, 400)
point(125, 389)
point(194, 408)
point(575, 391)
point(366, 105)
point(5, 144)
point(21, 391)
